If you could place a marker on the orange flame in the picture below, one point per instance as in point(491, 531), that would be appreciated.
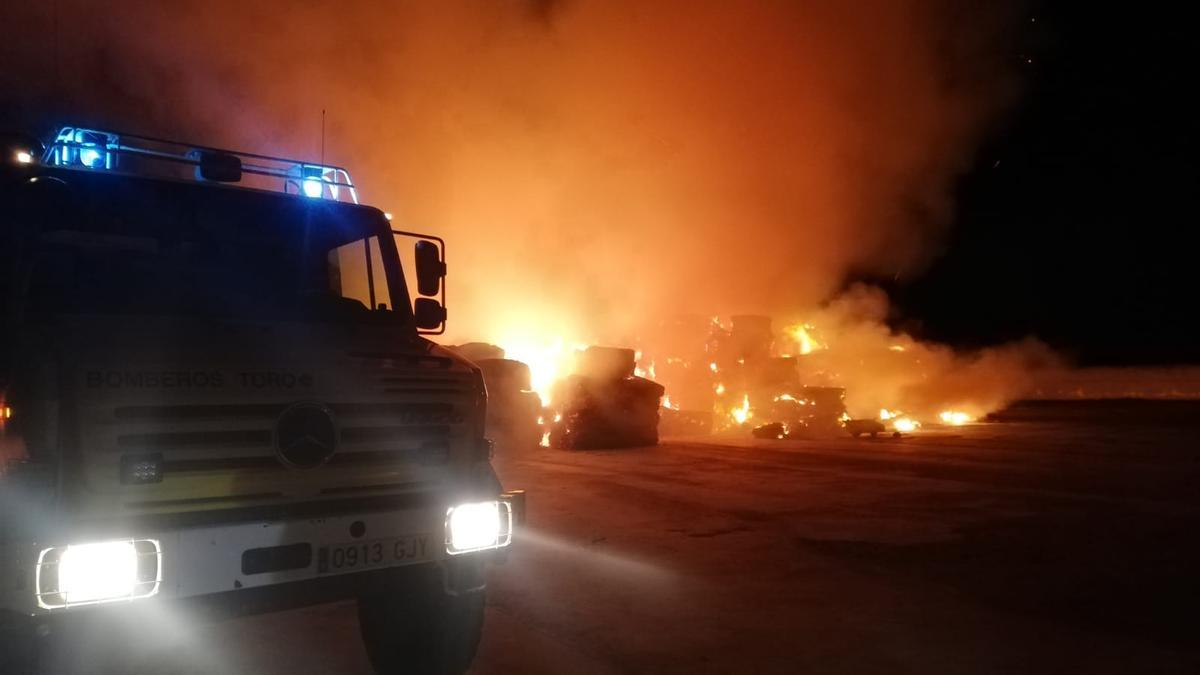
point(742, 413)
point(803, 335)
point(955, 417)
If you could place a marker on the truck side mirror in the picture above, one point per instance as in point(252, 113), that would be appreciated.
point(430, 268)
point(428, 313)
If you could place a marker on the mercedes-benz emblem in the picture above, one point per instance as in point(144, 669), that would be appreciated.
point(306, 435)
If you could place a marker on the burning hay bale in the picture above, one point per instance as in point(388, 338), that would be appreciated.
point(606, 363)
point(811, 412)
point(809, 375)
point(604, 405)
point(825, 410)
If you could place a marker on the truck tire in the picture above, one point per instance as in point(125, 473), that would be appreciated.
point(411, 625)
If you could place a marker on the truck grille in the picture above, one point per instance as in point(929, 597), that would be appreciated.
point(364, 429)
point(226, 452)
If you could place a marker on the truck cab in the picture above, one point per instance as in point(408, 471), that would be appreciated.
point(215, 389)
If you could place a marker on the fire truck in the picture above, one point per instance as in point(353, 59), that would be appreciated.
point(216, 392)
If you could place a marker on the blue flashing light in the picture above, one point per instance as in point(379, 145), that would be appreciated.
point(313, 188)
point(90, 157)
point(320, 182)
point(84, 147)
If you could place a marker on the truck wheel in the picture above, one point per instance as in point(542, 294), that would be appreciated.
point(411, 625)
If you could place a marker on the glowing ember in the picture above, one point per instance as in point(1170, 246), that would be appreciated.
point(897, 348)
point(545, 440)
point(713, 366)
point(742, 412)
point(955, 417)
point(666, 402)
point(720, 388)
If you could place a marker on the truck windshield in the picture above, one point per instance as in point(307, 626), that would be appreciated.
point(237, 255)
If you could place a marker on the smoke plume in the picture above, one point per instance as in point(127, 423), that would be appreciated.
point(592, 164)
point(883, 369)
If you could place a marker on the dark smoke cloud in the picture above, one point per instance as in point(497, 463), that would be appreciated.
point(592, 164)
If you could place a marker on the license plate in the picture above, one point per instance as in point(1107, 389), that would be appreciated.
point(361, 555)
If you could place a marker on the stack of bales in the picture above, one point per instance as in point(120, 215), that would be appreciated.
point(604, 405)
point(514, 409)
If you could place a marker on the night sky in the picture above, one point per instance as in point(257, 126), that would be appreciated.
point(1078, 222)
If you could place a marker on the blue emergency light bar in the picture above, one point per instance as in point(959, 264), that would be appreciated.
point(98, 150)
point(83, 147)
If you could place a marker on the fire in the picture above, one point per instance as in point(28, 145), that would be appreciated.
point(548, 360)
point(955, 418)
point(899, 421)
point(802, 334)
point(647, 372)
point(742, 412)
point(545, 443)
point(551, 356)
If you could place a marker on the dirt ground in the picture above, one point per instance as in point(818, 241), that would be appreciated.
point(1015, 547)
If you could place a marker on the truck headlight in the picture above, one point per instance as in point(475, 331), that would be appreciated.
point(86, 574)
point(478, 526)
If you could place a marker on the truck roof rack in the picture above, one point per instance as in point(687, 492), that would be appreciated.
point(100, 150)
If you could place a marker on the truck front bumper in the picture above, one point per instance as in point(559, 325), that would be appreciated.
point(197, 561)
